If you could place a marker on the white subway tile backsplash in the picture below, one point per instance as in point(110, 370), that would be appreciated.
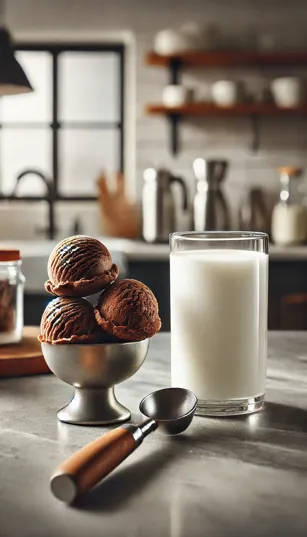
point(26, 221)
point(22, 220)
point(86, 213)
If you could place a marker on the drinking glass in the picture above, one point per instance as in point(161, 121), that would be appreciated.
point(219, 303)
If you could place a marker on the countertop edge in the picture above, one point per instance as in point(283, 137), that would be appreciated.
point(142, 251)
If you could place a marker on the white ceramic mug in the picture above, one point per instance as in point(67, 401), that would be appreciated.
point(169, 42)
point(176, 95)
point(225, 92)
point(288, 92)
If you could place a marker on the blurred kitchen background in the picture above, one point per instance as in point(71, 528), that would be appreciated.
point(151, 117)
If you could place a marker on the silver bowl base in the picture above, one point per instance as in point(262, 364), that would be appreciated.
point(94, 406)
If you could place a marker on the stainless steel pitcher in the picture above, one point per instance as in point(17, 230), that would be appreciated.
point(158, 204)
point(211, 210)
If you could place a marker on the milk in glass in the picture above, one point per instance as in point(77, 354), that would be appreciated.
point(219, 322)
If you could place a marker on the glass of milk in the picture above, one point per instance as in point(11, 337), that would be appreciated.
point(219, 303)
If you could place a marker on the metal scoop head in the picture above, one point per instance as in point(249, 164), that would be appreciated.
point(172, 408)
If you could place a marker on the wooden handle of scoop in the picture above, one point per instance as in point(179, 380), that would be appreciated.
point(91, 464)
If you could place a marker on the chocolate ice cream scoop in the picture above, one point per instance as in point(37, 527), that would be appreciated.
point(80, 266)
point(128, 310)
point(69, 320)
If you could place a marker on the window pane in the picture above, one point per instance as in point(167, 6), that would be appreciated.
point(83, 155)
point(36, 106)
point(22, 149)
point(89, 86)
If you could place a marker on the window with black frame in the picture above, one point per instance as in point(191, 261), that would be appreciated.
point(71, 127)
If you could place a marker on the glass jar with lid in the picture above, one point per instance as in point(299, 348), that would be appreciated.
point(289, 218)
point(11, 297)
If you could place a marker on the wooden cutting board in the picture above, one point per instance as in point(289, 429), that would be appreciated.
point(24, 358)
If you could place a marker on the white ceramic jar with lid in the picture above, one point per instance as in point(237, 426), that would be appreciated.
point(289, 218)
point(11, 297)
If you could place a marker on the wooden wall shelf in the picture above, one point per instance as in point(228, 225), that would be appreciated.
point(212, 59)
point(208, 109)
point(204, 58)
point(252, 111)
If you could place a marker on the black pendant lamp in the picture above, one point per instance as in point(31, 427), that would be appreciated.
point(13, 79)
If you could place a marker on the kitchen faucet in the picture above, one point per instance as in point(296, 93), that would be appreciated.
point(50, 198)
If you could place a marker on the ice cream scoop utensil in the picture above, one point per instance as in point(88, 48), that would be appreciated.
point(170, 410)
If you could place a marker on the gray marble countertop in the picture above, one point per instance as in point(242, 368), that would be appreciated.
point(222, 477)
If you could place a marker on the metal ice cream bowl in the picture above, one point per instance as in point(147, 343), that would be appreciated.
point(93, 370)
